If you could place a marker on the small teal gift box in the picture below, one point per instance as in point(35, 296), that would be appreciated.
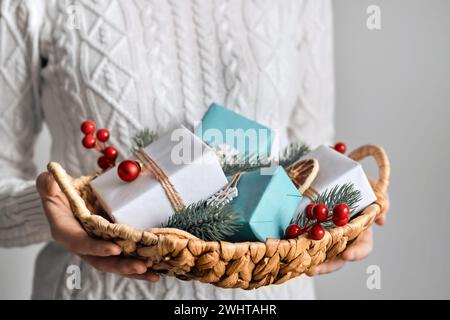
point(265, 205)
point(222, 127)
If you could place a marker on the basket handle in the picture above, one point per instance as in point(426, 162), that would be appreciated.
point(382, 160)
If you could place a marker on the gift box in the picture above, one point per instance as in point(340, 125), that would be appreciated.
point(265, 205)
point(191, 166)
point(338, 169)
point(221, 127)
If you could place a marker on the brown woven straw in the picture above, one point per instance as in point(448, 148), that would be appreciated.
point(245, 265)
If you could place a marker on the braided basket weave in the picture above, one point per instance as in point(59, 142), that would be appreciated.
point(246, 265)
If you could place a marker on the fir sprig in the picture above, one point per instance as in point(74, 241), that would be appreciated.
point(345, 193)
point(143, 138)
point(238, 163)
point(206, 222)
point(293, 153)
point(341, 194)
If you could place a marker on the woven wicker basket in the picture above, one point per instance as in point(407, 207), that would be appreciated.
point(246, 265)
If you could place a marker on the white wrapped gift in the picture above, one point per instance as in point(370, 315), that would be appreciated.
point(338, 169)
point(191, 166)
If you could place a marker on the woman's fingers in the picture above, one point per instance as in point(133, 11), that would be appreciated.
point(47, 186)
point(63, 225)
point(327, 267)
point(381, 220)
point(117, 265)
point(82, 244)
point(65, 229)
point(148, 276)
point(360, 248)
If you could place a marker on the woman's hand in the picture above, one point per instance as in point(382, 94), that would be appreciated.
point(358, 250)
point(101, 254)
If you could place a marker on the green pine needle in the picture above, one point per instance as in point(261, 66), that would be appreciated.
point(143, 138)
point(238, 163)
point(205, 222)
point(293, 153)
point(331, 197)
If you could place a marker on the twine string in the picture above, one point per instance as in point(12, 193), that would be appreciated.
point(149, 164)
point(234, 181)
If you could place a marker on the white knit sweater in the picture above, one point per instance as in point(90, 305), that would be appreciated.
point(127, 64)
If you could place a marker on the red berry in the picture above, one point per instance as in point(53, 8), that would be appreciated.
point(88, 127)
point(89, 141)
point(293, 231)
point(316, 232)
point(111, 153)
point(340, 147)
point(340, 222)
point(128, 170)
point(320, 212)
point(105, 163)
point(309, 211)
point(103, 135)
point(341, 211)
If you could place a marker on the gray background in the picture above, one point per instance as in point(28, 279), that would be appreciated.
point(393, 89)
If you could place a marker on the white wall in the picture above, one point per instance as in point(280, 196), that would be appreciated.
point(392, 89)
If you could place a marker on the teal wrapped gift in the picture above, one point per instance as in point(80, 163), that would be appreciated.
point(223, 127)
point(265, 205)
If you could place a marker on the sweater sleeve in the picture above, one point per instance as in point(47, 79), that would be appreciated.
point(312, 120)
point(22, 220)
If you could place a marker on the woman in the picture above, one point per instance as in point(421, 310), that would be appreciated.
point(130, 64)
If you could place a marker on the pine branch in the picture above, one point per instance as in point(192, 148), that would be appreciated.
point(238, 163)
point(293, 153)
point(341, 194)
point(143, 138)
point(206, 222)
point(331, 197)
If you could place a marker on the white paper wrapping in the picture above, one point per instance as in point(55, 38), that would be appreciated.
point(338, 169)
point(192, 167)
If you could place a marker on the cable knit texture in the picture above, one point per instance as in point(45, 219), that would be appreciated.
point(136, 63)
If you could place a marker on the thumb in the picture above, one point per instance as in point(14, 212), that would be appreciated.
point(46, 185)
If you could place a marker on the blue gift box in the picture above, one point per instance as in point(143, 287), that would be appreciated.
point(221, 126)
point(265, 205)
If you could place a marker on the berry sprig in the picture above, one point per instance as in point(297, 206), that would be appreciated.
point(97, 140)
point(316, 214)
